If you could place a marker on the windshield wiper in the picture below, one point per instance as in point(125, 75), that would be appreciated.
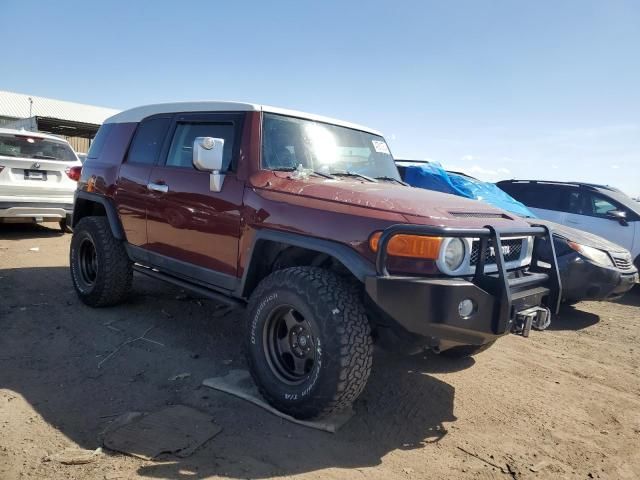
point(44, 157)
point(322, 174)
point(392, 179)
point(345, 173)
point(293, 169)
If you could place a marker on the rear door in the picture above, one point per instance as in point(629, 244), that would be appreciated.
point(588, 212)
point(132, 195)
point(34, 169)
point(195, 231)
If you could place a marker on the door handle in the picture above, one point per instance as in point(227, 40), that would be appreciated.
point(158, 187)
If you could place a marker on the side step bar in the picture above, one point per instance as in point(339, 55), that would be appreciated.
point(205, 292)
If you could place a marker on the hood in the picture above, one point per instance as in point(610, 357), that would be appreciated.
point(579, 236)
point(412, 203)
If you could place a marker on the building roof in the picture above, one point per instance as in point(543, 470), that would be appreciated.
point(16, 105)
point(25, 133)
point(138, 113)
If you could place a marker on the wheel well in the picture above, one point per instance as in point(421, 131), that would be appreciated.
point(86, 208)
point(269, 256)
point(98, 207)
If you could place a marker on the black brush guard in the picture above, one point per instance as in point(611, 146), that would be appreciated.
point(539, 277)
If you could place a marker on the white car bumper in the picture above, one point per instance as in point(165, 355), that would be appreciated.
point(12, 209)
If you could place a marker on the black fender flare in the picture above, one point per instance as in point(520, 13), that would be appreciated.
point(107, 204)
point(352, 260)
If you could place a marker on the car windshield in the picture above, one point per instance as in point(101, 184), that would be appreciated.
point(25, 146)
point(292, 143)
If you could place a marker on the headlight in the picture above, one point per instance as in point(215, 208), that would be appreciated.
point(454, 254)
point(596, 256)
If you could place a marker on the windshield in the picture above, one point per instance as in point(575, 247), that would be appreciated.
point(24, 146)
point(290, 143)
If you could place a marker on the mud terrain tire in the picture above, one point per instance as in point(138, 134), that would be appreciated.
point(100, 268)
point(308, 342)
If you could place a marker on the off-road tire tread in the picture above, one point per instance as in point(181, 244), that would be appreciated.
point(321, 287)
point(114, 285)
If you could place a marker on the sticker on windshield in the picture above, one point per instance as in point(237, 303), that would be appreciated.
point(380, 146)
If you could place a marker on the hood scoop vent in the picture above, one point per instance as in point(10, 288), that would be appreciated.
point(480, 215)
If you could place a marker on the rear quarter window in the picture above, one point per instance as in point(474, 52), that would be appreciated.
point(99, 141)
point(534, 195)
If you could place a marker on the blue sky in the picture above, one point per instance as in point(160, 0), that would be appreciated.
point(500, 89)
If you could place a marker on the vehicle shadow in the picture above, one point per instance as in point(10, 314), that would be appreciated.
point(571, 317)
point(20, 231)
point(73, 365)
point(631, 298)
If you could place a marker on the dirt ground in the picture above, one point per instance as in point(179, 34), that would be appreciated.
point(564, 403)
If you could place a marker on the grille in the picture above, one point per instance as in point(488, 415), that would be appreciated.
point(623, 263)
point(479, 215)
point(514, 246)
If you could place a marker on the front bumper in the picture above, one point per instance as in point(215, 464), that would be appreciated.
point(29, 210)
point(429, 306)
point(585, 280)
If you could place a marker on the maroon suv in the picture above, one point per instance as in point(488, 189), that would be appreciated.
point(305, 221)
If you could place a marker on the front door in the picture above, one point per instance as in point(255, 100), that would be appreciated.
point(195, 231)
point(588, 212)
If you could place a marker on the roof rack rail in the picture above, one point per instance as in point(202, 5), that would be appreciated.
point(556, 182)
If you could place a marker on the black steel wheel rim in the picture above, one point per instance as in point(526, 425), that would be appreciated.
point(88, 261)
point(290, 345)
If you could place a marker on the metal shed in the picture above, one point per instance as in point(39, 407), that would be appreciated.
point(76, 122)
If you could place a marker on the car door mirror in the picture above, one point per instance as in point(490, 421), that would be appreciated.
point(619, 215)
point(207, 157)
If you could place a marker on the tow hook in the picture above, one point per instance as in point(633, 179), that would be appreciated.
point(538, 318)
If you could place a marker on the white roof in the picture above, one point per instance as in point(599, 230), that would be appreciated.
point(138, 113)
point(27, 133)
point(16, 105)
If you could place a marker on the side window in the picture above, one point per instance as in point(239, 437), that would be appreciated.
point(523, 192)
point(550, 197)
point(595, 205)
point(147, 141)
point(181, 151)
point(98, 142)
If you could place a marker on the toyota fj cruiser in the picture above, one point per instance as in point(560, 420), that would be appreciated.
point(305, 221)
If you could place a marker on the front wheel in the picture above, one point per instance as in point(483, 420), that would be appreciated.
point(308, 342)
point(100, 268)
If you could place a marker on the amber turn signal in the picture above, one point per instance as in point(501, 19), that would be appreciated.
point(414, 246)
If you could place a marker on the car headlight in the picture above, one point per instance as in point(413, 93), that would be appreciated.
point(454, 254)
point(596, 256)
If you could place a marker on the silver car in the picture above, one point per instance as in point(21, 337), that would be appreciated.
point(38, 175)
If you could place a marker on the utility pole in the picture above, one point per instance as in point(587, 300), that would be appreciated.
point(31, 126)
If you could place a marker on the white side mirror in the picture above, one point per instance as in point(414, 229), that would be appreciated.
point(207, 157)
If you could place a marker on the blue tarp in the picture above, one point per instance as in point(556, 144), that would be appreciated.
point(433, 177)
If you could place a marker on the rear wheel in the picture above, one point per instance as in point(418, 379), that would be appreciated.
point(100, 268)
point(308, 342)
point(464, 351)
